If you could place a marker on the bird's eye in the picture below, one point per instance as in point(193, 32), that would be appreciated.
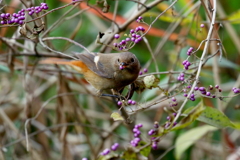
point(132, 59)
point(118, 60)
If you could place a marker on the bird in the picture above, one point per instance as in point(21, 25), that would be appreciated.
point(105, 70)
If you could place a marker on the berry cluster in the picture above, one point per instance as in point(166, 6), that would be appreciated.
point(137, 134)
point(153, 132)
point(190, 50)
point(204, 91)
point(106, 151)
point(130, 102)
point(181, 77)
point(134, 37)
point(19, 17)
point(37, 9)
point(186, 64)
point(169, 120)
point(145, 70)
point(173, 103)
point(236, 90)
point(139, 19)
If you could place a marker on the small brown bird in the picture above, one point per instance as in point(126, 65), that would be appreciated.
point(105, 71)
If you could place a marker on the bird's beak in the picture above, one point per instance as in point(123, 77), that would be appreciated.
point(123, 65)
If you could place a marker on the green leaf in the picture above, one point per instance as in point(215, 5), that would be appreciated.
point(184, 141)
point(108, 157)
point(214, 117)
point(193, 114)
point(169, 18)
point(129, 154)
point(223, 62)
point(4, 68)
point(234, 17)
point(146, 150)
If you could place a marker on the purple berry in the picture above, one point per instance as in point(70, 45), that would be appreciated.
point(45, 7)
point(202, 89)
point(195, 88)
point(168, 118)
point(140, 28)
point(84, 158)
point(184, 62)
point(202, 25)
point(140, 73)
point(151, 132)
point(3, 15)
point(185, 95)
point(181, 78)
point(20, 22)
point(115, 44)
point(192, 95)
point(2, 22)
point(123, 42)
point(210, 87)
point(137, 36)
point(156, 125)
point(136, 41)
point(174, 99)
point(129, 101)
point(208, 94)
point(106, 151)
point(133, 35)
point(154, 146)
point(128, 39)
point(217, 86)
point(167, 125)
point(188, 63)
point(133, 39)
point(43, 4)
point(133, 102)
point(116, 36)
point(119, 103)
point(136, 135)
point(139, 39)
point(7, 15)
point(132, 31)
point(31, 13)
point(139, 18)
point(21, 18)
point(145, 70)
point(135, 130)
point(114, 146)
point(192, 99)
point(140, 125)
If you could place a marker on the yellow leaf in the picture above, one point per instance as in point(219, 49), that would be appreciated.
point(116, 116)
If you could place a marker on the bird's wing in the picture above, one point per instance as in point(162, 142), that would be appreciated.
point(92, 62)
